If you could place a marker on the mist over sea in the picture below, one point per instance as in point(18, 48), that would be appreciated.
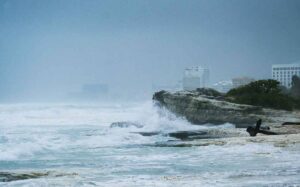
point(75, 145)
point(78, 81)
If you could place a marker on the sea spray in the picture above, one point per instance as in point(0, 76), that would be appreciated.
point(78, 139)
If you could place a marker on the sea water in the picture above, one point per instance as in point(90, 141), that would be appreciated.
point(77, 146)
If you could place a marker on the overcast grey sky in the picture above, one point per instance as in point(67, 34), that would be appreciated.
point(49, 48)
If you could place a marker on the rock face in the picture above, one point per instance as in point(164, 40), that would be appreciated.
point(290, 140)
point(125, 124)
point(15, 176)
point(208, 106)
point(212, 133)
point(8, 177)
point(201, 109)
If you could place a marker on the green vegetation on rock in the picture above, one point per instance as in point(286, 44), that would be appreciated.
point(265, 93)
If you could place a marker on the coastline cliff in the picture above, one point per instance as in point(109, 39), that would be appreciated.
point(206, 106)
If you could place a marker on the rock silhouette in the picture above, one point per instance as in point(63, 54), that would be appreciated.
point(291, 123)
point(253, 131)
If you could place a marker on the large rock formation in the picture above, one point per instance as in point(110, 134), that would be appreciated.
point(208, 106)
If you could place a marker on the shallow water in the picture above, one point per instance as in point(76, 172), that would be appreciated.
point(77, 146)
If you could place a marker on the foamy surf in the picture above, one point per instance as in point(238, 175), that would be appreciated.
point(79, 139)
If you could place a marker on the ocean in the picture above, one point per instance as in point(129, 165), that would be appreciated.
point(75, 145)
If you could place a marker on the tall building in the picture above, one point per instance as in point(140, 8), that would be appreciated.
point(283, 73)
point(241, 81)
point(195, 77)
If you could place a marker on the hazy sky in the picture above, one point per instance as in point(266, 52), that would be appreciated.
point(49, 48)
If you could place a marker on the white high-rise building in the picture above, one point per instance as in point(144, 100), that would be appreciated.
point(283, 73)
point(195, 77)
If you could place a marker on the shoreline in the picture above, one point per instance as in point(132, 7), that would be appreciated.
point(201, 107)
point(275, 140)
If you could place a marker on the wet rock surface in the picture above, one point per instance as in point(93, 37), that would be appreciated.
point(8, 177)
point(15, 176)
point(202, 107)
point(287, 141)
point(291, 123)
point(148, 133)
point(187, 135)
point(125, 124)
point(197, 134)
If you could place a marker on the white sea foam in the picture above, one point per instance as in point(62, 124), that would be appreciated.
point(63, 114)
point(78, 138)
point(29, 129)
point(60, 114)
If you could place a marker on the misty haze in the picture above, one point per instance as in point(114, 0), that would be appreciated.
point(149, 93)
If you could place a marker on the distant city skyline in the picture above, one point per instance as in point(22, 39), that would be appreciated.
point(51, 48)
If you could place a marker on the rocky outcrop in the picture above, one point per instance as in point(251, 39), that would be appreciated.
point(209, 133)
point(15, 176)
point(207, 106)
point(288, 140)
point(125, 124)
point(8, 177)
point(201, 109)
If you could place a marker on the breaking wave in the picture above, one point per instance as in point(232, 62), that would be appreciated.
point(64, 138)
point(26, 130)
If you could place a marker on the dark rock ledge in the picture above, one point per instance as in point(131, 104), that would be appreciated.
point(15, 176)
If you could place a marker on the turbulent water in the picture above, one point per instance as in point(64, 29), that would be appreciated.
point(74, 145)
